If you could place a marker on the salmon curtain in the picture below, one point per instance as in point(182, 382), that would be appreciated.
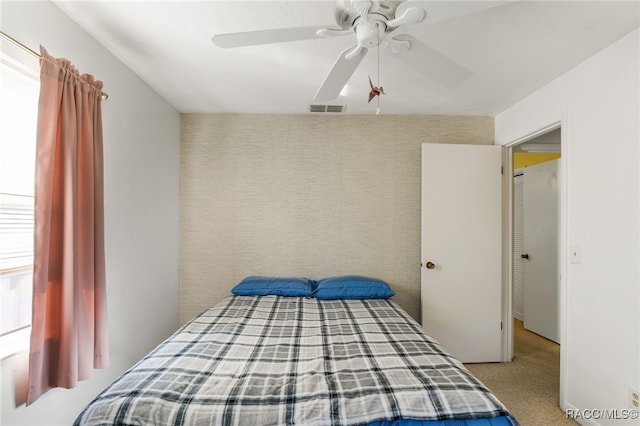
point(69, 328)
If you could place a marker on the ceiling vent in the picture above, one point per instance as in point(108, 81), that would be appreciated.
point(327, 108)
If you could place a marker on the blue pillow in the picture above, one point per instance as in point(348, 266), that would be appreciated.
point(277, 286)
point(352, 287)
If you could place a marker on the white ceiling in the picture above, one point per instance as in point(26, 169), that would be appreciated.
point(512, 48)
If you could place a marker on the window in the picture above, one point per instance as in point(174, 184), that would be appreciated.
point(18, 116)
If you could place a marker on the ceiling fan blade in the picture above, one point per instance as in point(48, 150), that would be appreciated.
point(333, 32)
point(277, 35)
point(430, 62)
point(339, 75)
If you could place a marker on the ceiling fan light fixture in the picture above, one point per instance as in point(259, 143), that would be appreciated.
point(370, 33)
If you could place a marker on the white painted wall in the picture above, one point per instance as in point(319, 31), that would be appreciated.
point(142, 138)
point(600, 100)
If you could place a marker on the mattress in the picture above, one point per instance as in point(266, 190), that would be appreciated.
point(272, 360)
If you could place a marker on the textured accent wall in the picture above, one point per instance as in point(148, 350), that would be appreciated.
point(305, 195)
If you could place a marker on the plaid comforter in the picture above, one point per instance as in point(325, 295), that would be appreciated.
point(291, 360)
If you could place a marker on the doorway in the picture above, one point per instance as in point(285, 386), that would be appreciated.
point(532, 152)
point(536, 200)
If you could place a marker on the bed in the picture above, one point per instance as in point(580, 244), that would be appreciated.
point(283, 360)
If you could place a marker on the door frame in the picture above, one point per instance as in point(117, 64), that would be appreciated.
point(507, 244)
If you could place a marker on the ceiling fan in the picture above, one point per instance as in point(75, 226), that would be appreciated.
point(373, 23)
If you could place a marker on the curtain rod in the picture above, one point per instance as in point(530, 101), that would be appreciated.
point(32, 52)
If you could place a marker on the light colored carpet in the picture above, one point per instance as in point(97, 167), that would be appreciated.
point(529, 385)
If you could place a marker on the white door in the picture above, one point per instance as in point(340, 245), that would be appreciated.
point(462, 249)
point(541, 274)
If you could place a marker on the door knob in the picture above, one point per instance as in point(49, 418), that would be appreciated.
point(430, 265)
point(525, 256)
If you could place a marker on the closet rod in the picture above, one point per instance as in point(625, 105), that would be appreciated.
point(32, 52)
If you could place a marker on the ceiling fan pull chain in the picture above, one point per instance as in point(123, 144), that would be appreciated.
point(377, 27)
point(379, 87)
